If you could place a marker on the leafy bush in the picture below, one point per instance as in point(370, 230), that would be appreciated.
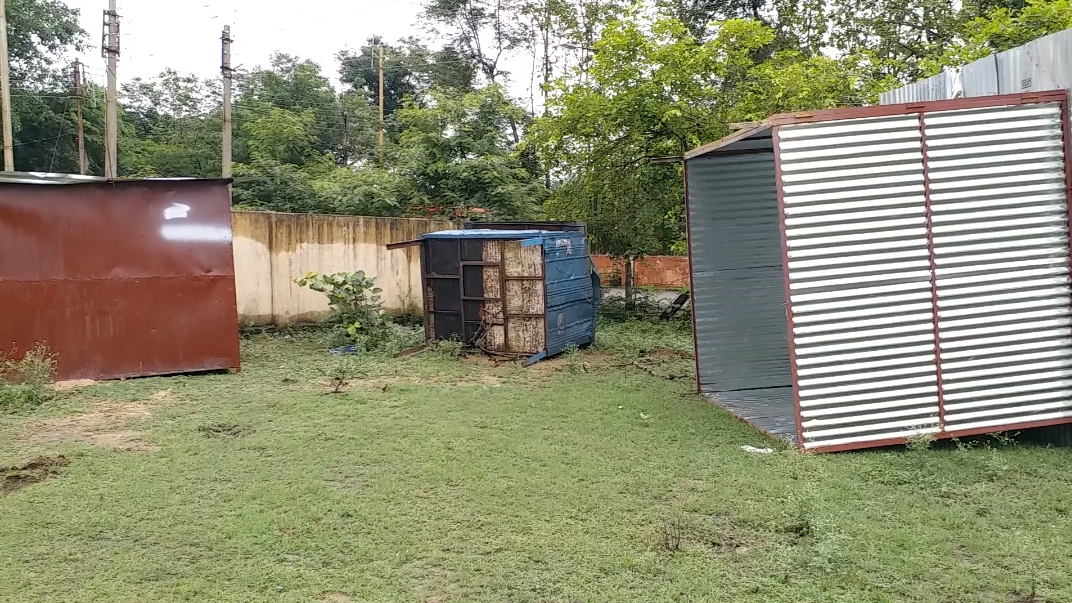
point(355, 305)
point(23, 382)
point(18, 397)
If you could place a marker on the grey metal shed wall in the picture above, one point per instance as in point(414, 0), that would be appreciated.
point(738, 285)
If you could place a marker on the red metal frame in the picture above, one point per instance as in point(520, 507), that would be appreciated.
point(1066, 132)
point(785, 277)
point(692, 278)
point(934, 274)
point(942, 435)
point(1030, 98)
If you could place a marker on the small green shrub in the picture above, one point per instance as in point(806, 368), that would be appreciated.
point(448, 348)
point(355, 304)
point(23, 383)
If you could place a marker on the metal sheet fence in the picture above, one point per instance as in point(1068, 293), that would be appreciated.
point(119, 279)
point(1040, 65)
point(937, 87)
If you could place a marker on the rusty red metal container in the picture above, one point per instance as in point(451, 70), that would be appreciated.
point(120, 278)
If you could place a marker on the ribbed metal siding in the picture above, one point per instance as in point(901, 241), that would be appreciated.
point(1042, 64)
point(1000, 230)
point(570, 309)
point(937, 87)
point(736, 261)
point(859, 271)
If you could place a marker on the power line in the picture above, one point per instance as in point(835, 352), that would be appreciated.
point(56, 147)
point(26, 142)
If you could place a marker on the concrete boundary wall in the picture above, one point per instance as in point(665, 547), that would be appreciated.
point(271, 250)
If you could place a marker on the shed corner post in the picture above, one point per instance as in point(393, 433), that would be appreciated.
point(785, 276)
point(692, 275)
point(929, 222)
point(1066, 131)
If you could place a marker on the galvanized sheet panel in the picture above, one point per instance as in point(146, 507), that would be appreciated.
point(937, 87)
point(1040, 65)
point(120, 279)
point(859, 279)
point(1000, 231)
point(736, 261)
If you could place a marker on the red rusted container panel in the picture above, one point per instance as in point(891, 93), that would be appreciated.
point(119, 278)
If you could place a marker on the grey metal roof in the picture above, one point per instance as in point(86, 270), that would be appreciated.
point(754, 138)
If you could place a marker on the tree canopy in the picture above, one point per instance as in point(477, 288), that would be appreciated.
point(617, 88)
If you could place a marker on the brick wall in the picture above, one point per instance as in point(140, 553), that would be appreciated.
point(659, 271)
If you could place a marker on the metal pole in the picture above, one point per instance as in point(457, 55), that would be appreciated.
point(111, 116)
point(81, 129)
point(225, 68)
point(5, 93)
point(381, 105)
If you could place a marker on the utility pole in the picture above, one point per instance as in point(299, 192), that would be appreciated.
point(225, 68)
point(81, 131)
point(381, 105)
point(5, 93)
point(110, 50)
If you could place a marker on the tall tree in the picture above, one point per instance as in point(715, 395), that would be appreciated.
point(410, 71)
point(42, 34)
point(170, 126)
point(1002, 28)
point(484, 31)
point(655, 90)
point(457, 154)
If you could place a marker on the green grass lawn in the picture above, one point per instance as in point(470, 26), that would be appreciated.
point(434, 478)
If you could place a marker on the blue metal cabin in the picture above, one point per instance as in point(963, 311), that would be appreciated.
point(518, 292)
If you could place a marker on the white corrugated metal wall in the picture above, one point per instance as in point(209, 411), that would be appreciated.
point(877, 285)
point(1000, 231)
point(859, 279)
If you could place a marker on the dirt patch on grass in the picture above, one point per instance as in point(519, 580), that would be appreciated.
point(163, 395)
point(72, 384)
point(37, 470)
point(106, 424)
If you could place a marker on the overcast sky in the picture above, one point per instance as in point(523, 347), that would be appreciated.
point(185, 34)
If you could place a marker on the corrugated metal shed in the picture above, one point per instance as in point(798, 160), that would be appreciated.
point(119, 278)
point(518, 292)
point(925, 264)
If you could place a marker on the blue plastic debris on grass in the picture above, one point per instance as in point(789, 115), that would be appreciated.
point(344, 350)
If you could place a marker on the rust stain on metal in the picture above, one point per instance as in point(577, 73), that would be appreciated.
point(119, 279)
